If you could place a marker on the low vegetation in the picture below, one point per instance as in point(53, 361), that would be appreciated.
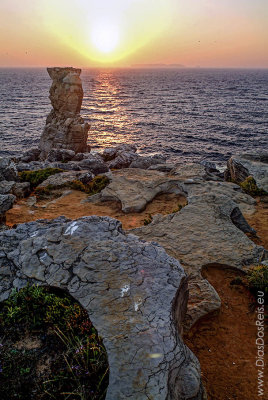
point(179, 208)
point(37, 177)
point(250, 187)
point(95, 186)
point(49, 349)
point(148, 220)
point(257, 278)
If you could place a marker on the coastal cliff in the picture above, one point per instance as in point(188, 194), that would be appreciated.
point(143, 286)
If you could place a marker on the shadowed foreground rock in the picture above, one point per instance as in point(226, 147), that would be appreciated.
point(65, 128)
point(135, 294)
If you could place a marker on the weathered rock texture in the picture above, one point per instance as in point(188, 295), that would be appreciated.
point(135, 187)
point(135, 294)
point(65, 128)
point(6, 202)
point(255, 165)
point(8, 170)
point(208, 231)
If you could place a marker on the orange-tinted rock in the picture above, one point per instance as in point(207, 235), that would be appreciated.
point(65, 128)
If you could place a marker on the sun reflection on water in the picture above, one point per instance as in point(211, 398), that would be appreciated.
point(106, 108)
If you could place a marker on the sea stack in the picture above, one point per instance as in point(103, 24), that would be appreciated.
point(65, 128)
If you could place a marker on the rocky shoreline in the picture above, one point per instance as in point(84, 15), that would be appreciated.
point(141, 287)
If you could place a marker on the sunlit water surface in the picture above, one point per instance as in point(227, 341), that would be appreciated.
point(187, 114)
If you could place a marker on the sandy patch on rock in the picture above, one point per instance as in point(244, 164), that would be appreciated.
point(74, 205)
point(225, 343)
point(259, 221)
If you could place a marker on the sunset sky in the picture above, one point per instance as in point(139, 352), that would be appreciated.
point(85, 33)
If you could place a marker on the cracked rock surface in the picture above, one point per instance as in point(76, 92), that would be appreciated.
point(135, 187)
point(135, 294)
point(209, 230)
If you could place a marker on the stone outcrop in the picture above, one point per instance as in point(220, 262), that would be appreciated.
point(8, 170)
point(209, 230)
point(241, 166)
point(63, 179)
point(65, 128)
point(19, 189)
point(134, 188)
point(135, 294)
point(6, 202)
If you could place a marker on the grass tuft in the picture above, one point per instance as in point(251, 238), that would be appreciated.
point(69, 360)
point(37, 177)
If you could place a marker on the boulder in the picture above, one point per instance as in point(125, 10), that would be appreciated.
point(194, 172)
point(112, 152)
point(30, 155)
point(6, 202)
point(6, 187)
point(60, 155)
point(8, 170)
point(135, 295)
point(135, 188)
point(65, 128)
point(21, 189)
point(93, 163)
point(81, 156)
point(241, 166)
point(62, 179)
point(144, 162)
point(36, 165)
point(31, 166)
point(122, 160)
point(161, 167)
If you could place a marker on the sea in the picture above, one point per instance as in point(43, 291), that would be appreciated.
point(186, 114)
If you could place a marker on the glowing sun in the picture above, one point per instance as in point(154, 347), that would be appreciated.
point(105, 36)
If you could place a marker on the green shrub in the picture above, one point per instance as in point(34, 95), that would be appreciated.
point(258, 279)
point(78, 185)
point(250, 187)
point(97, 184)
point(38, 176)
point(78, 360)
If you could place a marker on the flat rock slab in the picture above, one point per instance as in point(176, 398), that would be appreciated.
point(135, 188)
point(135, 294)
point(209, 230)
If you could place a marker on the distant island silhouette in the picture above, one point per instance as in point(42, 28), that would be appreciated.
point(157, 66)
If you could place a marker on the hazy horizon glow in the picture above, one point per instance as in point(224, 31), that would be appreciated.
point(206, 33)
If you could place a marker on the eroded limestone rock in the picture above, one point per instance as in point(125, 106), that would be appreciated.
point(135, 294)
point(135, 188)
point(241, 166)
point(208, 231)
point(6, 202)
point(65, 128)
point(8, 170)
point(62, 179)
